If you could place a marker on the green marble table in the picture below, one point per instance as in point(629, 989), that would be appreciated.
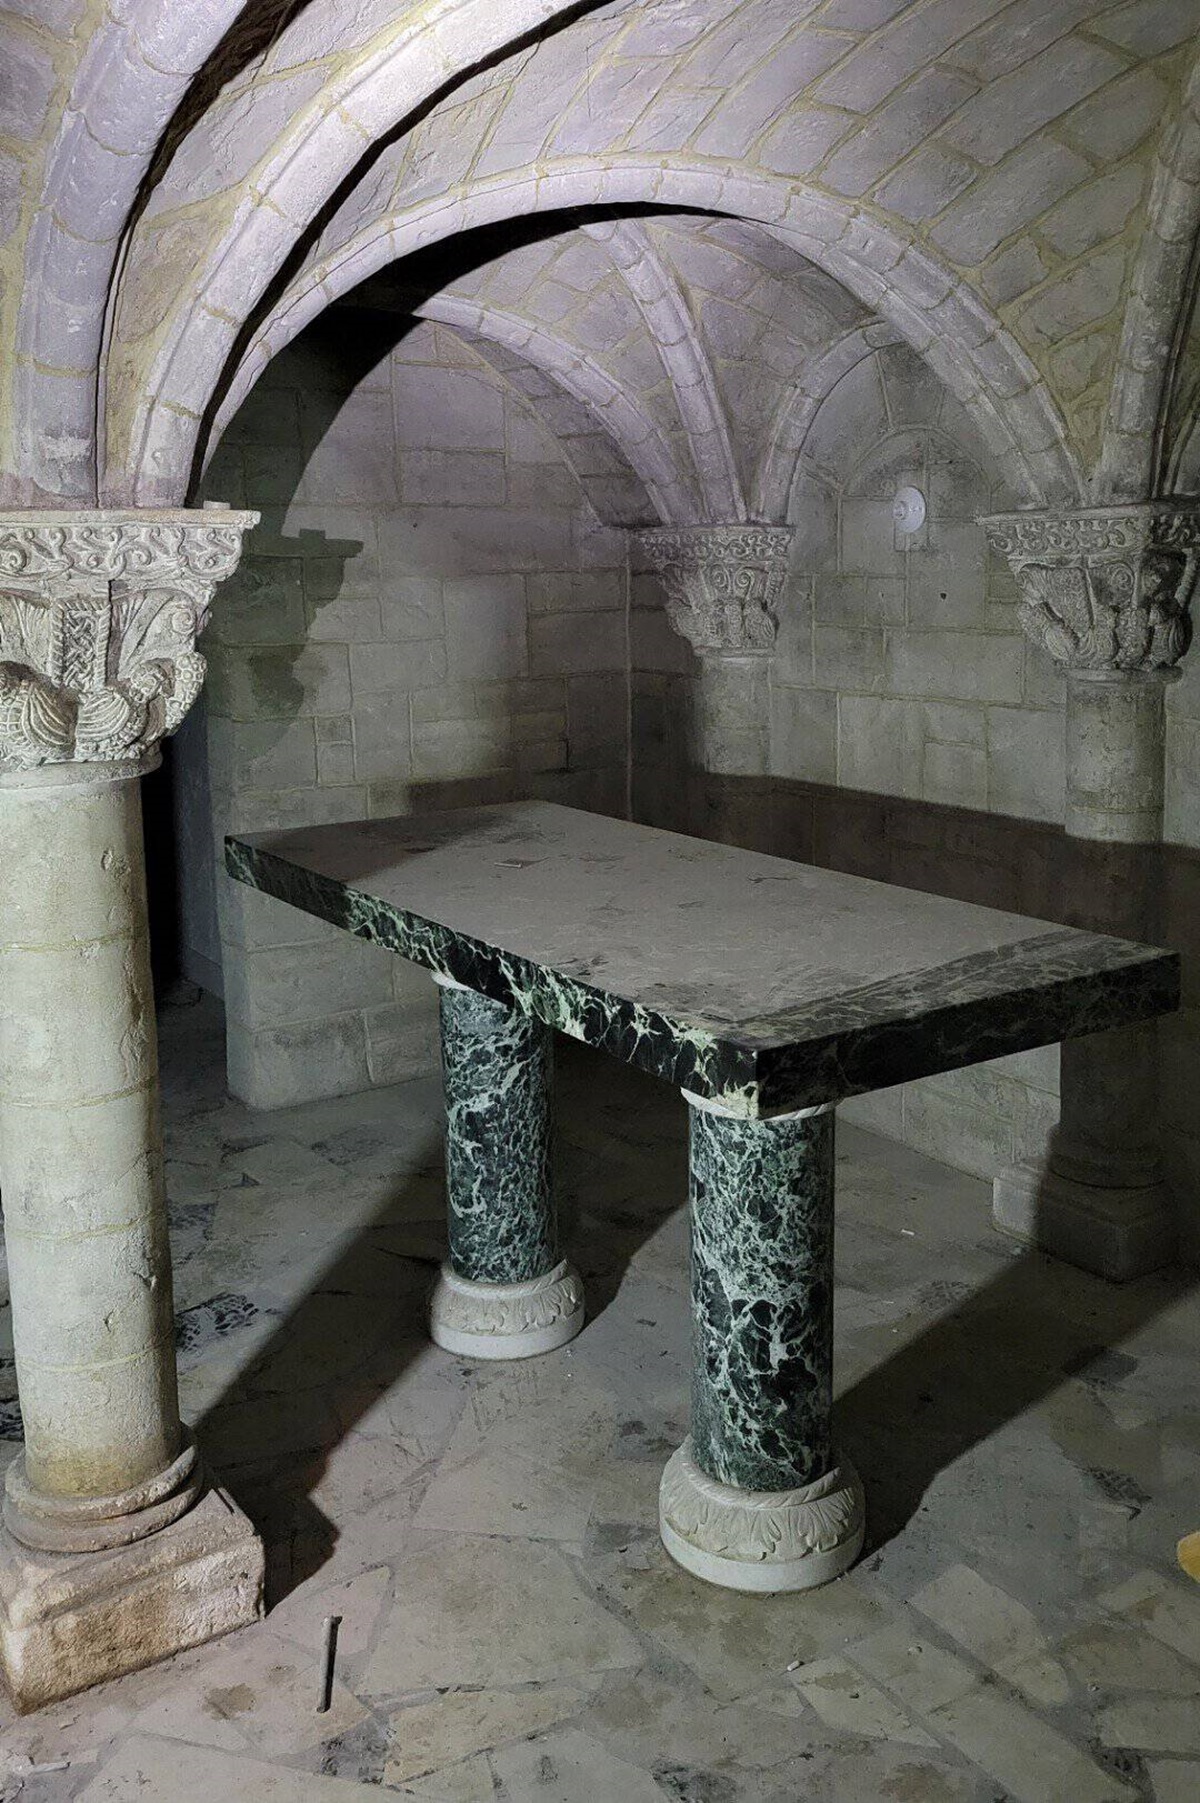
point(768, 991)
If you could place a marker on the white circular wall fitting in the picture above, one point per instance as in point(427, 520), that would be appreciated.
point(908, 509)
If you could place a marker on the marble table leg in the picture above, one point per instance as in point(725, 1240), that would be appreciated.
point(504, 1292)
point(757, 1498)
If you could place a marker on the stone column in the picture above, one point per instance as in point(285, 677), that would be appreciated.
point(757, 1498)
point(504, 1292)
point(722, 584)
point(1106, 593)
point(116, 1548)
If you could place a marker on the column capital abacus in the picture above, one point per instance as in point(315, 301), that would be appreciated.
point(722, 583)
point(100, 610)
point(1105, 590)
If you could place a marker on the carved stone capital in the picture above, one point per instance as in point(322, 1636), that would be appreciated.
point(1105, 588)
point(722, 582)
point(99, 616)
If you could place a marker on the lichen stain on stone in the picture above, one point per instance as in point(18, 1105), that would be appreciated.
point(918, 1784)
point(222, 1705)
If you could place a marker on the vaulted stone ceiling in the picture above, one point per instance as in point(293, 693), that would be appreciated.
point(734, 204)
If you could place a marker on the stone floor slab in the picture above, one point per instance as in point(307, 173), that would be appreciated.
point(999, 1406)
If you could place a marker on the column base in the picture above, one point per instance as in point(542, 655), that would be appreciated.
point(70, 1620)
point(506, 1320)
point(93, 1524)
point(1115, 1233)
point(761, 1541)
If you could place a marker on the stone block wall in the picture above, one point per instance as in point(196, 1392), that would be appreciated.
point(430, 614)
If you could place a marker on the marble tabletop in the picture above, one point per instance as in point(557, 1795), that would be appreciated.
point(754, 981)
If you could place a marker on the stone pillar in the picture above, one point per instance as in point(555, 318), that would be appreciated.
point(1106, 592)
point(757, 1498)
point(722, 584)
point(504, 1292)
point(116, 1548)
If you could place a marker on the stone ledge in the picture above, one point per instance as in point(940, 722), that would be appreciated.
point(70, 1620)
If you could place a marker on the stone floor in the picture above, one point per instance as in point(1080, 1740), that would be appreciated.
point(510, 1627)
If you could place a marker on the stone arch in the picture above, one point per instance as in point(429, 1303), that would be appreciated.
point(133, 78)
point(939, 315)
point(1134, 453)
point(776, 473)
point(658, 299)
point(133, 73)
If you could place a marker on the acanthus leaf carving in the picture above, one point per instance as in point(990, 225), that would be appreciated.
point(776, 1525)
point(99, 616)
point(722, 582)
point(1105, 589)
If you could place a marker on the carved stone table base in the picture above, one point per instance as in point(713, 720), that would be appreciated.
point(764, 1542)
point(506, 1320)
point(69, 1620)
point(756, 1498)
point(504, 1293)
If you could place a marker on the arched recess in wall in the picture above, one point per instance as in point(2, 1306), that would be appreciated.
point(798, 409)
point(889, 413)
point(616, 492)
point(981, 363)
point(1136, 450)
point(159, 75)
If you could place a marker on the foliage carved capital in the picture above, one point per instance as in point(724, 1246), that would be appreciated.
point(722, 582)
point(1105, 588)
point(99, 616)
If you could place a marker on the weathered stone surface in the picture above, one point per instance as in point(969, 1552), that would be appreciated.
point(1105, 589)
point(68, 1621)
point(99, 615)
point(722, 582)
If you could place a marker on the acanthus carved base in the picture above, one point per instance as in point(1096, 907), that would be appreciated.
point(506, 1320)
point(762, 1541)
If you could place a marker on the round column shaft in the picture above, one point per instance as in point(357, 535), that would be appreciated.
point(1104, 1169)
point(733, 713)
point(81, 1168)
point(757, 1498)
point(504, 1291)
point(1115, 736)
point(1106, 592)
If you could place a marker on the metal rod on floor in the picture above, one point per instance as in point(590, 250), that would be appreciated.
point(328, 1654)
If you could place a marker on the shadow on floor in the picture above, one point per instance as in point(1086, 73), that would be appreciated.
point(997, 1353)
point(987, 1356)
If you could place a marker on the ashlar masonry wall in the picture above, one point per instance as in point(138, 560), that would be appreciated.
point(429, 614)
